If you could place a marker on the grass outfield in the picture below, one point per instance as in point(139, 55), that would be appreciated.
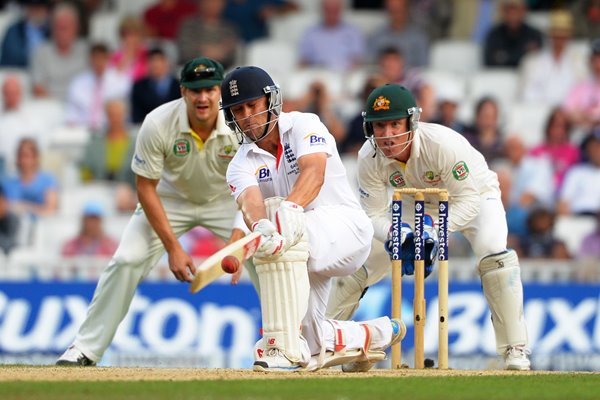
point(439, 386)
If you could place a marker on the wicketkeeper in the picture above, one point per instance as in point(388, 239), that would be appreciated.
point(403, 152)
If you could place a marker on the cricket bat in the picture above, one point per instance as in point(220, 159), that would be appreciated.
point(210, 269)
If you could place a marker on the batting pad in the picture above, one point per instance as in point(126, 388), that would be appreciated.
point(502, 287)
point(284, 292)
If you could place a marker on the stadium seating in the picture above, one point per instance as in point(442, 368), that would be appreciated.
point(528, 121)
point(462, 57)
point(571, 229)
point(275, 56)
point(499, 83)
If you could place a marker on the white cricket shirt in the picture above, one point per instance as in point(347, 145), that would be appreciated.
point(300, 134)
point(166, 150)
point(440, 158)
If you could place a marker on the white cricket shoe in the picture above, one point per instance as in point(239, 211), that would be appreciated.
point(398, 333)
point(516, 358)
point(72, 356)
point(274, 360)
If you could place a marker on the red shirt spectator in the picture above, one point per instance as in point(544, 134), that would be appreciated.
point(91, 241)
point(164, 18)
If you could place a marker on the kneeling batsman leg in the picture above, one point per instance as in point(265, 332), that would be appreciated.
point(284, 292)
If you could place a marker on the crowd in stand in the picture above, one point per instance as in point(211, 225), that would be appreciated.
point(54, 75)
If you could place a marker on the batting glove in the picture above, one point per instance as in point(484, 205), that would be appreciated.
point(272, 244)
point(290, 222)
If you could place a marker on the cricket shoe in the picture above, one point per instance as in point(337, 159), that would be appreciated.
point(274, 360)
point(517, 358)
point(398, 333)
point(72, 356)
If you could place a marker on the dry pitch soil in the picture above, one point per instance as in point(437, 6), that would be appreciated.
point(53, 373)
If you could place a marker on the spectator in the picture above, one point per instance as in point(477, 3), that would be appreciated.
point(473, 19)
point(332, 43)
point(9, 225)
point(590, 245)
point(540, 241)
point(529, 183)
point(548, 75)
point(434, 16)
point(448, 98)
point(587, 15)
point(164, 17)
point(252, 16)
point(355, 134)
point(91, 88)
point(583, 101)
point(580, 193)
point(512, 38)
point(131, 58)
point(91, 240)
point(209, 34)
point(107, 156)
point(485, 134)
point(401, 32)
point(27, 34)
point(158, 87)
point(394, 69)
point(32, 191)
point(317, 100)
point(55, 63)
point(557, 145)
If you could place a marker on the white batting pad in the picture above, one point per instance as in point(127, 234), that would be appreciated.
point(503, 290)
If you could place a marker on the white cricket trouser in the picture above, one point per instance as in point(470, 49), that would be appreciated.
point(339, 242)
point(138, 252)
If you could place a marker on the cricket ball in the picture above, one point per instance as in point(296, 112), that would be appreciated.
point(429, 363)
point(230, 264)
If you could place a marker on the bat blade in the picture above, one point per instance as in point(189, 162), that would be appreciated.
point(210, 269)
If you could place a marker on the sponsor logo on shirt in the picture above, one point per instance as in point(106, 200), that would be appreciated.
point(181, 147)
point(431, 177)
point(396, 179)
point(138, 160)
point(314, 139)
point(460, 171)
point(226, 152)
point(381, 103)
point(263, 174)
point(363, 193)
point(232, 188)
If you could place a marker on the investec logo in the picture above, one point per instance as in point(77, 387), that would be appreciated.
point(419, 205)
point(396, 217)
point(315, 139)
point(443, 239)
point(263, 174)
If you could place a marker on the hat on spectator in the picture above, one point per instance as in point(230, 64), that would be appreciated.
point(93, 209)
point(561, 23)
point(201, 72)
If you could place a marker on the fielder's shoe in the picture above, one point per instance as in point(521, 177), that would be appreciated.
point(516, 358)
point(398, 333)
point(274, 360)
point(72, 356)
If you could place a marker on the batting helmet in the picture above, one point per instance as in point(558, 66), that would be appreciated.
point(245, 84)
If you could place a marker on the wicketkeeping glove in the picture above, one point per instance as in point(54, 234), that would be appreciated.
point(272, 244)
point(290, 222)
point(408, 247)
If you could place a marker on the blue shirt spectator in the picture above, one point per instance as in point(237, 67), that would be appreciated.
point(25, 35)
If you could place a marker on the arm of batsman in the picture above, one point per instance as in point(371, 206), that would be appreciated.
point(272, 244)
point(430, 238)
point(290, 222)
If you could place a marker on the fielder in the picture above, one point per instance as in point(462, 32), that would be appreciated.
point(291, 186)
point(181, 156)
point(403, 152)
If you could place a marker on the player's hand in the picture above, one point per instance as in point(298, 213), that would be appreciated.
point(272, 244)
point(290, 222)
point(405, 233)
point(181, 265)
